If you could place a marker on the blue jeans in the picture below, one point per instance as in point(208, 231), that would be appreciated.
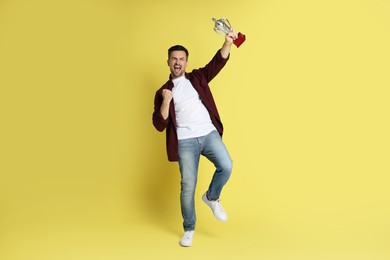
point(212, 147)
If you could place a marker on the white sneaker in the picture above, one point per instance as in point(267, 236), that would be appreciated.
point(216, 207)
point(186, 240)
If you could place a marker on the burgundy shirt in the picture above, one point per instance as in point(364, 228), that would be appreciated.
point(199, 79)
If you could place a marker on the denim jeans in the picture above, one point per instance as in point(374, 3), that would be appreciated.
point(212, 147)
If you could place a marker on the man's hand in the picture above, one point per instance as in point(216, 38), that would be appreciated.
point(167, 98)
point(231, 37)
point(167, 95)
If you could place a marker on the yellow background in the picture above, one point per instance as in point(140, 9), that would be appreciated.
point(304, 101)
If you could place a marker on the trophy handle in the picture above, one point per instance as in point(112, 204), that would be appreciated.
point(227, 22)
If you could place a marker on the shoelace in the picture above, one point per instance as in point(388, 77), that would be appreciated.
point(188, 234)
point(219, 205)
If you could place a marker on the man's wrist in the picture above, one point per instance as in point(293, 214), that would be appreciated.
point(166, 102)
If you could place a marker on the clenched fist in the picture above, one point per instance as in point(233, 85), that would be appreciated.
point(167, 95)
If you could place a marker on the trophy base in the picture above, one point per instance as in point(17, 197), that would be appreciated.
point(240, 39)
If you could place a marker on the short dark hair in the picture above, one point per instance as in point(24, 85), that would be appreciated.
point(177, 48)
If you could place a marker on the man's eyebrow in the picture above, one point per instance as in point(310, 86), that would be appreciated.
point(174, 57)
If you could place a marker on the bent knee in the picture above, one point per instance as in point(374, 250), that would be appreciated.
point(226, 167)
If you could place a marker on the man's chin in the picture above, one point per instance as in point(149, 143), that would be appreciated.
point(177, 75)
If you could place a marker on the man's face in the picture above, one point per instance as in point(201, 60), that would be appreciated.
point(177, 63)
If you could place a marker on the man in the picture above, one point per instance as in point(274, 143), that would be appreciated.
point(185, 108)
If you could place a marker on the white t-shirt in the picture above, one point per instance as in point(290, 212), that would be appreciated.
point(192, 117)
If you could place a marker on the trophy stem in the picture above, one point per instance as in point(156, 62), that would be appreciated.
point(240, 39)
